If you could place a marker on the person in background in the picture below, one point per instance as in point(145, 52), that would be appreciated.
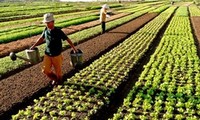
point(172, 2)
point(53, 37)
point(103, 16)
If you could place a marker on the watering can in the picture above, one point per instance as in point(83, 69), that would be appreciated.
point(33, 56)
point(76, 58)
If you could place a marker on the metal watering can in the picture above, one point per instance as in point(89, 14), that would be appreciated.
point(33, 56)
point(76, 59)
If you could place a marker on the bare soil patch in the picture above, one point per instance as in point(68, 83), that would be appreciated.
point(196, 28)
point(22, 87)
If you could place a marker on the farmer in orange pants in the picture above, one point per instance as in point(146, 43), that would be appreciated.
point(53, 37)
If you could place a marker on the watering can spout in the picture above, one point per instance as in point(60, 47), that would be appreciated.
point(14, 57)
point(33, 56)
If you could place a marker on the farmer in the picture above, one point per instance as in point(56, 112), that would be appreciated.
point(172, 2)
point(103, 15)
point(53, 37)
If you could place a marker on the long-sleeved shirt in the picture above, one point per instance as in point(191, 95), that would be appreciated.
point(103, 15)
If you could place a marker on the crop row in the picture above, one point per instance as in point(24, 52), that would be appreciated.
point(168, 88)
point(16, 34)
point(161, 9)
point(194, 10)
point(36, 10)
point(29, 7)
point(38, 20)
point(132, 9)
point(30, 21)
point(90, 90)
point(144, 6)
point(56, 9)
point(31, 14)
point(8, 65)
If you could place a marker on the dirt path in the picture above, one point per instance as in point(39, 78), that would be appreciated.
point(195, 23)
point(23, 44)
point(23, 86)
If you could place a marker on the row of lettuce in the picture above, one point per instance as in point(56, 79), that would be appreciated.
point(114, 7)
point(91, 90)
point(7, 65)
point(37, 20)
point(194, 10)
point(13, 34)
point(32, 10)
point(168, 87)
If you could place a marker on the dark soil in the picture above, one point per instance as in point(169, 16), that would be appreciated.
point(19, 89)
point(196, 29)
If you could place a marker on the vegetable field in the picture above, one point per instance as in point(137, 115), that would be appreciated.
point(146, 66)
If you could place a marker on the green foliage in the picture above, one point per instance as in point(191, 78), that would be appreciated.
point(156, 91)
point(182, 11)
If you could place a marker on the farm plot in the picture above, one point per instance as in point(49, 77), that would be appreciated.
point(168, 88)
point(100, 80)
point(36, 81)
point(38, 9)
point(19, 45)
point(8, 66)
point(11, 34)
point(30, 81)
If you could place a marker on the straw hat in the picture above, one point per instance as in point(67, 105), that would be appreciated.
point(105, 6)
point(48, 18)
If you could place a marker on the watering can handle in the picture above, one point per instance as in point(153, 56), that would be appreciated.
point(32, 48)
point(75, 50)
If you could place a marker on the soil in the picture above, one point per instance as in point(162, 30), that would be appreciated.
point(25, 43)
point(196, 28)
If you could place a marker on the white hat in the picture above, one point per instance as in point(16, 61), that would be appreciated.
point(48, 17)
point(105, 6)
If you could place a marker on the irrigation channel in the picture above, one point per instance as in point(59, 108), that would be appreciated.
point(31, 83)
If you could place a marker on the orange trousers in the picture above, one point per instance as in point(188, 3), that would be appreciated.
point(56, 63)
